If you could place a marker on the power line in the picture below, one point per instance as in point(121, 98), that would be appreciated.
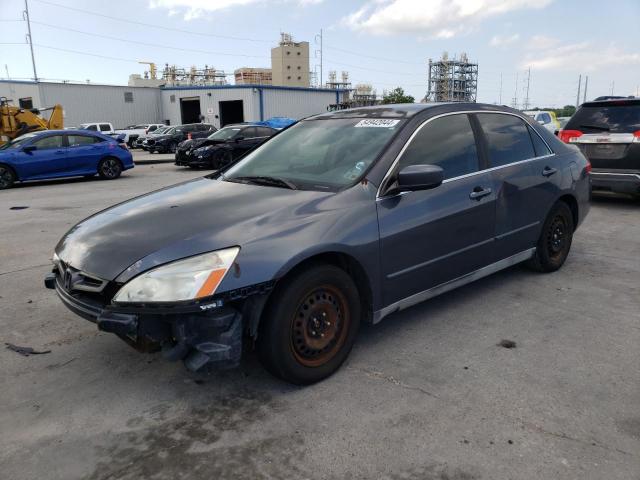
point(133, 22)
point(119, 39)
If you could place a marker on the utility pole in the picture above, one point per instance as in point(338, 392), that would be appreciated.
point(25, 16)
point(613, 84)
point(579, 85)
point(514, 102)
point(319, 37)
point(526, 98)
point(586, 83)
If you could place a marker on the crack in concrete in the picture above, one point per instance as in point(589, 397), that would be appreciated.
point(389, 378)
point(25, 268)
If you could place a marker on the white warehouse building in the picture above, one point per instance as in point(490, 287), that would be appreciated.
point(215, 104)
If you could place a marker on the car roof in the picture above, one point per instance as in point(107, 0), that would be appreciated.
point(613, 102)
point(408, 110)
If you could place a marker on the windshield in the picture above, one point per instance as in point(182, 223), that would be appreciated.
point(172, 130)
point(319, 154)
point(225, 133)
point(160, 131)
point(18, 142)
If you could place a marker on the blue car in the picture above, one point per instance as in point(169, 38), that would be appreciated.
point(62, 153)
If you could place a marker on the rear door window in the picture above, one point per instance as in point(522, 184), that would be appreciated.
point(81, 140)
point(448, 142)
point(105, 127)
point(545, 118)
point(606, 118)
point(508, 138)
point(93, 128)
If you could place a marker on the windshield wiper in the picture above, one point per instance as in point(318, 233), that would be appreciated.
point(597, 127)
point(266, 180)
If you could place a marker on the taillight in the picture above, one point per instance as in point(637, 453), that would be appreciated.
point(568, 136)
point(636, 136)
point(123, 146)
point(587, 169)
point(146, 130)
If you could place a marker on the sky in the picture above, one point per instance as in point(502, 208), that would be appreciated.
point(385, 43)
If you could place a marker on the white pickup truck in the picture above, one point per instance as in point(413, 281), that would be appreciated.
point(131, 134)
point(102, 127)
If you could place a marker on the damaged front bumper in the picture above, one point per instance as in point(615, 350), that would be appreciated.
point(201, 335)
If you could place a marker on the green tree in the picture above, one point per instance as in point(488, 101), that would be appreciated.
point(397, 95)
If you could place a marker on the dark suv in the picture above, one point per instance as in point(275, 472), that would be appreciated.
point(342, 218)
point(608, 134)
point(169, 140)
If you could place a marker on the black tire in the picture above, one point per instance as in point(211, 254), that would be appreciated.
point(555, 240)
point(7, 177)
point(309, 325)
point(171, 148)
point(223, 159)
point(109, 168)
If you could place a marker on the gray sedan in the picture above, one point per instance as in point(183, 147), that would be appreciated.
point(343, 218)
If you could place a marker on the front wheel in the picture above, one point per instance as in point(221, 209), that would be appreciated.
point(555, 240)
point(172, 147)
point(7, 177)
point(310, 325)
point(110, 168)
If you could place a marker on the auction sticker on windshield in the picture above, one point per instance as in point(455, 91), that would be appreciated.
point(377, 122)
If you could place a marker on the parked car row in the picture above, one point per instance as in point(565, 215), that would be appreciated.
point(167, 140)
point(222, 147)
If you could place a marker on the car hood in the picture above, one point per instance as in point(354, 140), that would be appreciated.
point(160, 137)
point(193, 143)
point(187, 219)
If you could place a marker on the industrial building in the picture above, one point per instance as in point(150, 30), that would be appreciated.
point(452, 80)
point(173, 105)
point(252, 76)
point(290, 62)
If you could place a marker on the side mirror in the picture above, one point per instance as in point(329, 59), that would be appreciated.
point(419, 177)
point(29, 148)
point(238, 139)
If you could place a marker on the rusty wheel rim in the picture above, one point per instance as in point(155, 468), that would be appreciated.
point(320, 325)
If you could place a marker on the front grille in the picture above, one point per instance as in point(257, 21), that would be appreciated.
point(151, 142)
point(72, 279)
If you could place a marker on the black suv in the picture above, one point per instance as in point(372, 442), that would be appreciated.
point(169, 140)
point(608, 134)
point(222, 147)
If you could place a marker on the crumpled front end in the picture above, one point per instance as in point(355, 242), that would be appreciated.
point(205, 334)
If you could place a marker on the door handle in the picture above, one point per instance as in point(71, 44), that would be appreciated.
point(548, 171)
point(479, 192)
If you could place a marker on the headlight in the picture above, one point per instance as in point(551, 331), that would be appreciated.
point(188, 279)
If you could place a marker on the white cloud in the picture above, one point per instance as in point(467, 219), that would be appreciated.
point(579, 57)
point(435, 18)
point(541, 42)
point(504, 40)
point(193, 9)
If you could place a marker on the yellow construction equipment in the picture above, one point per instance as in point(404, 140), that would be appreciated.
point(16, 121)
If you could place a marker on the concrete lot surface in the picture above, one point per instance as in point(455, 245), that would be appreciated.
point(427, 394)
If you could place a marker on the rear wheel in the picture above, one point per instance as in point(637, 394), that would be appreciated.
point(7, 177)
point(110, 168)
point(172, 147)
point(555, 240)
point(310, 325)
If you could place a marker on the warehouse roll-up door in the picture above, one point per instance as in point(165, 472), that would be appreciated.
point(190, 110)
point(231, 112)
